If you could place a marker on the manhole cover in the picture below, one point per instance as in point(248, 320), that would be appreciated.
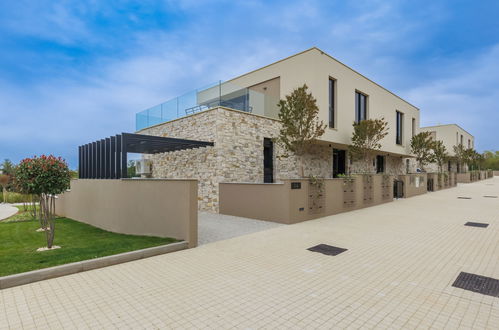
point(477, 283)
point(489, 196)
point(327, 249)
point(464, 198)
point(477, 224)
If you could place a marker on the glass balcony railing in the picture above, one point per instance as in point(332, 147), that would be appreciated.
point(213, 95)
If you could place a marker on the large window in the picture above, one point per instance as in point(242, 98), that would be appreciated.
point(400, 125)
point(332, 100)
point(360, 107)
point(413, 127)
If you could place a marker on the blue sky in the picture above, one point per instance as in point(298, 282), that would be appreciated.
point(76, 71)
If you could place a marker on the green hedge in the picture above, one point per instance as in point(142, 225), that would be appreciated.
point(13, 197)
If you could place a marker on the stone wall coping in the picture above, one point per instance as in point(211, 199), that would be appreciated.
point(206, 111)
point(254, 183)
point(84, 265)
point(142, 179)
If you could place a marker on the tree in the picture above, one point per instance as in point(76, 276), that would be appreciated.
point(491, 160)
point(4, 182)
point(131, 169)
point(421, 146)
point(460, 155)
point(7, 167)
point(44, 176)
point(440, 154)
point(300, 125)
point(366, 139)
point(474, 159)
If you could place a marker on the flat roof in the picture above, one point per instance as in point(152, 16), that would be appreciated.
point(331, 57)
point(433, 126)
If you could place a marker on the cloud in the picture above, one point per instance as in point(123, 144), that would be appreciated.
point(465, 94)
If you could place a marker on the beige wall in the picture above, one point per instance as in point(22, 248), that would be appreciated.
point(164, 208)
point(313, 67)
point(414, 184)
point(280, 203)
point(450, 135)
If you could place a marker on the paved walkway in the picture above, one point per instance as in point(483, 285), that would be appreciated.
point(401, 261)
point(7, 210)
point(217, 227)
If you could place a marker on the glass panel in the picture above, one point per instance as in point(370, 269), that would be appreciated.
point(213, 95)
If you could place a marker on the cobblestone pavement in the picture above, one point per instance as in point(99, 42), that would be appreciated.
point(214, 227)
point(401, 261)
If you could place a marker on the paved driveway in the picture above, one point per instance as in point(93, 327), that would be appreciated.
point(7, 210)
point(401, 261)
point(216, 227)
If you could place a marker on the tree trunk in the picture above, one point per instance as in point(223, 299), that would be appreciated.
point(302, 169)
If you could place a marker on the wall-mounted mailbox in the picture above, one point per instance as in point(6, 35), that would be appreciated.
point(295, 185)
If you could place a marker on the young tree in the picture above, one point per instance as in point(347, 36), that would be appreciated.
point(440, 154)
point(366, 139)
point(300, 124)
point(44, 176)
point(4, 182)
point(460, 155)
point(421, 146)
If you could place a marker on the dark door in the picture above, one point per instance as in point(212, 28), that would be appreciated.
point(380, 164)
point(268, 161)
point(339, 161)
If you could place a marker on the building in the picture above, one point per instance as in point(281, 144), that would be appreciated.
point(240, 117)
point(451, 135)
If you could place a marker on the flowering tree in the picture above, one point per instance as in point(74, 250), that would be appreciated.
point(44, 176)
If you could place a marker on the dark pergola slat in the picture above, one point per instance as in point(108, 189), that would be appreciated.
point(107, 158)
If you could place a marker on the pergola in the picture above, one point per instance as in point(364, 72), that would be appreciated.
point(107, 158)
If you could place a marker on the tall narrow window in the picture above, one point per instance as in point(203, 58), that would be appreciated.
point(360, 107)
point(400, 125)
point(461, 139)
point(469, 143)
point(413, 127)
point(268, 160)
point(332, 85)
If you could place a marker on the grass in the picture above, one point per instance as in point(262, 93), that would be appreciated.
point(19, 241)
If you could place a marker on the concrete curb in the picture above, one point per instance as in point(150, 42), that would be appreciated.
point(82, 266)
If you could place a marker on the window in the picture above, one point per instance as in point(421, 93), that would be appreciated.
point(360, 107)
point(332, 99)
point(380, 164)
point(461, 139)
point(469, 143)
point(400, 122)
point(413, 127)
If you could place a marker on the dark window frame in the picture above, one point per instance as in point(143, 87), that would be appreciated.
point(361, 114)
point(399, 130)
point(332, 102)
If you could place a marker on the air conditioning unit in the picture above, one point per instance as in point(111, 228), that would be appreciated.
point(143, 167)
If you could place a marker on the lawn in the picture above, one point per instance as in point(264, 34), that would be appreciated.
point(19, 241)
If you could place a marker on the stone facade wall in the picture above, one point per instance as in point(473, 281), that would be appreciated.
point(237, 155)
point(393, 166)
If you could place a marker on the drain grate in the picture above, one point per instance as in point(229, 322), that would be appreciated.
point(327, 249)
point(477, 283)
point(464, 198)
point(489, 196)
point(477, 224)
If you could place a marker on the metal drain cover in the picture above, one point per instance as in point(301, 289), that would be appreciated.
point(477, 224)
point(477, 283)
point(464, 198)
point(327, 249)
point(489, 196)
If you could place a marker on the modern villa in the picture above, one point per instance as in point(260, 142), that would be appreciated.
point(240, 117)
point(451, 135)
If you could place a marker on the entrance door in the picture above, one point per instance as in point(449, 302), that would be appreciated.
point(380, 164)
point(339, 162)
point(268, 161)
